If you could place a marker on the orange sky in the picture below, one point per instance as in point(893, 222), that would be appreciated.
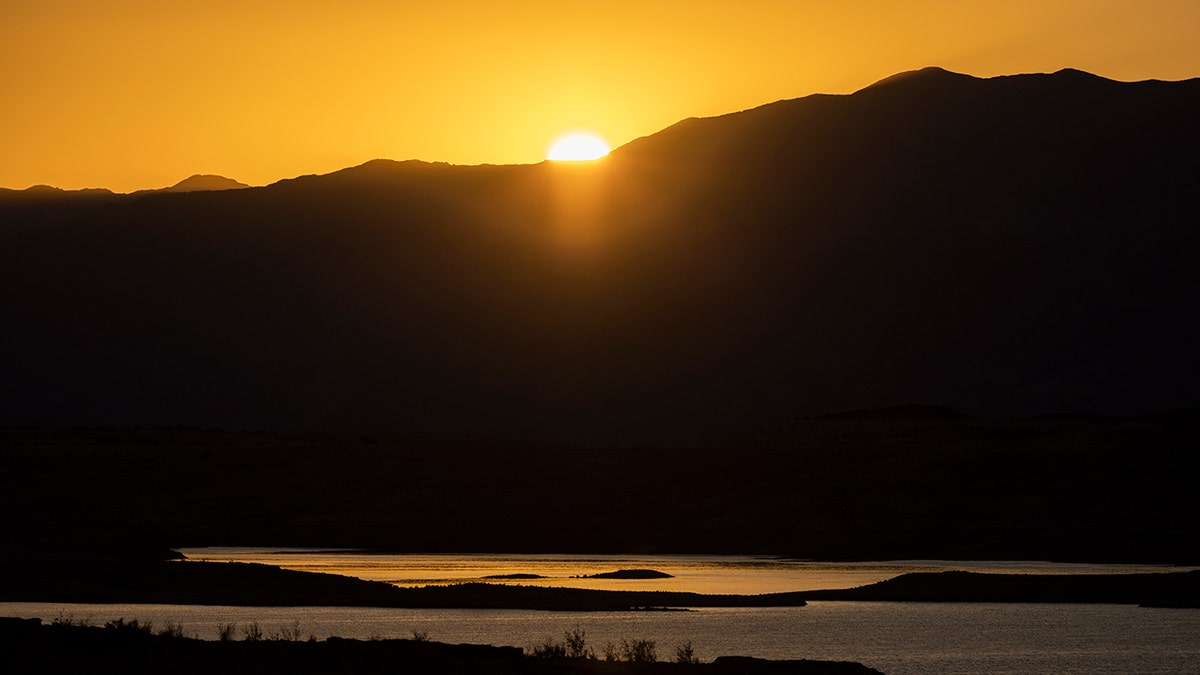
point(133, 94)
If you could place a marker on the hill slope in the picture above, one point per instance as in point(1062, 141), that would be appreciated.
point(889, 488)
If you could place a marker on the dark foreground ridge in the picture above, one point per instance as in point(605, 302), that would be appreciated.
point(1068, 489)
point(77, 649)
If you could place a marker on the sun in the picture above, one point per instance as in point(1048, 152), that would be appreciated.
point(577, 146)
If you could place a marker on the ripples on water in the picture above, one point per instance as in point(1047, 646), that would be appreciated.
point(896, 638)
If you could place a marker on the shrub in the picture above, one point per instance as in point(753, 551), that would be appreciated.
point(172, 630)
point(576, 646)
point(225, 631)
point(685, 654)
point(288, 633)
point(550, 650)
point(69, 620)
point(131, 625)
point(420, 635)
point(640, 651)
point(251, 632)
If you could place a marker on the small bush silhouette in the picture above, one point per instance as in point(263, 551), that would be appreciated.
point(251, 632)
point(576, 646)
point(420, 635)
point(287, 633)
point(172, 630)
point(550, 650)
point(69, 620)
point(225, 631)
point(685, 654)
point(638, 651)
point(131, 625)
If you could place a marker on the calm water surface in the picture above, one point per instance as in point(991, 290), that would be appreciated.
point(895, 638)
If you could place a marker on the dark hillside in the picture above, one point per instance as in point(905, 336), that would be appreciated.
point(1118, 490)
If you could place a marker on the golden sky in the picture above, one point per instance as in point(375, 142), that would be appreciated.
point(132, 94)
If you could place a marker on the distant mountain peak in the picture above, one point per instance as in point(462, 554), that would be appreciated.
point(205, 181)
point(935, 76)
point(1076, 73)
point(927, 74)
point(388, 165)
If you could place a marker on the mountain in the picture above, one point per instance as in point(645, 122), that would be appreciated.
point(1010, 246)
point(205, 181)
point(43, 206)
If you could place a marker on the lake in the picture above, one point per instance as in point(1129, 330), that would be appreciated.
point(895, 638)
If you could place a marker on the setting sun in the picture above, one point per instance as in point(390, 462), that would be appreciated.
point(577, 146)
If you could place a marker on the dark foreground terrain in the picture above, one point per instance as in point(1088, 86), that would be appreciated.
point(125, 649)
point(892, 484)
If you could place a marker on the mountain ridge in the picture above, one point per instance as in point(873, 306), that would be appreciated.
point(205, 181)
point(928, 74)
point(1002, 246)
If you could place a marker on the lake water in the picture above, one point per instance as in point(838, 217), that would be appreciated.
point(895, 638)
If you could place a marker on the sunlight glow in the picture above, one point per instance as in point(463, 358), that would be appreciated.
point(577, 146)
point(495, 82)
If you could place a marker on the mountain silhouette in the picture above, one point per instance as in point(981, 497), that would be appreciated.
point(43, 206)
point(205, 181)
point(1009, 246)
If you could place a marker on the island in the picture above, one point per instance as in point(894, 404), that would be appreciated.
point(630, 574)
